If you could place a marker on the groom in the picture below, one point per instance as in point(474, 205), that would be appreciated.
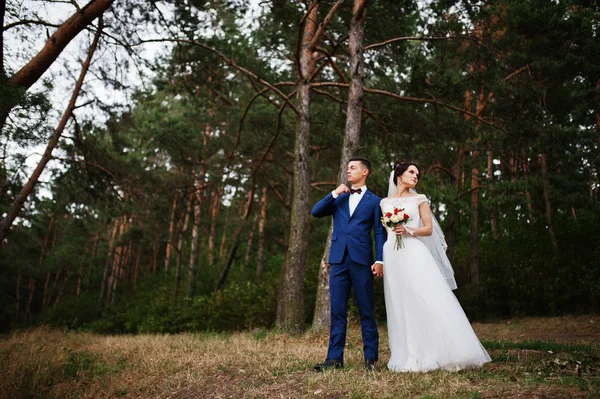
point(355, 213)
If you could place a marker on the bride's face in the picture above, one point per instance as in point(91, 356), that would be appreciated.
point(410, 177)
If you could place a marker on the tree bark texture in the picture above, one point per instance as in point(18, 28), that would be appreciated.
point(290, 307)
point(260, 256)
point(184, 229)
point(170, 239)
point(111, 247)
point(214, 215)
point(200, 184)
point(350, 147)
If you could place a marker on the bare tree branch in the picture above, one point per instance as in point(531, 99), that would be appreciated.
point(423, 38)
point(29, 22)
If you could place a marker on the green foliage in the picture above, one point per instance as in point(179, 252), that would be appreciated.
point(203, 132)
point(522, 276)
point(151, 309)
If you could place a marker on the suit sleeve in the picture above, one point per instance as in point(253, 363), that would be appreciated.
point(325, 207)
point(380, 233)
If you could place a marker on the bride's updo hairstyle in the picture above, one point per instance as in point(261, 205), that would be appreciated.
point(401, 167)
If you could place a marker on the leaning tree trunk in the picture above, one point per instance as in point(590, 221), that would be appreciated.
point(33, 179)
point(35, 68)
point(322, 313)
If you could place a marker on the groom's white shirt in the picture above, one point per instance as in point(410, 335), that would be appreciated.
point(353, 202)
point(354, 198)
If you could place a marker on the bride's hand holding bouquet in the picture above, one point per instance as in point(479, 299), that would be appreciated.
point(394, 218)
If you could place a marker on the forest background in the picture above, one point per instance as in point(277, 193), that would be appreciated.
point(184, 204)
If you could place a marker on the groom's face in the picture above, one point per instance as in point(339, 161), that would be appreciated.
point(356, 172)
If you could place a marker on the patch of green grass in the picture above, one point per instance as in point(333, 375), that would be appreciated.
point(554, 347)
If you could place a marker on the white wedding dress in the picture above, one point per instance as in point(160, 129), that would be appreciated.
point(427, 327)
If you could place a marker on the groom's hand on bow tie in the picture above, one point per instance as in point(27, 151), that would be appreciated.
point(342, 188)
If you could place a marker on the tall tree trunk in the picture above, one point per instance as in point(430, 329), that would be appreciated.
point(52, 290)
point(42, 256)
point(214, 214)
point(137, 265)
point(91, 270)
point(527, 192)
point(107, 265)
point(454, 217)
point(548, 203)
point(236, 239)
point(35, 68)
point(260, 256)
point(20, 199)
point(180, 242)
point(61, 293)
point(117, 263)
point(490, 173)
point(199, 197)
point(474, 233)
point(322, 314)
point(154, 257)
point(250, 239)
point(170, 238)
point(31, 288)
point(224, 235)
point(200, 187)
point(290, 307)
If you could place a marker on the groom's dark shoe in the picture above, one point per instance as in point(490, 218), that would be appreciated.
point(328, 364)
point(370, 364)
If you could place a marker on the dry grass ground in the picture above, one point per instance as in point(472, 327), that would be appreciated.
point(533, 358)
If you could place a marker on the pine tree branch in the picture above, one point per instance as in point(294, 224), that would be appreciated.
point(29, 22)
point(228, 61)
point(416, 100)
point(416, 38)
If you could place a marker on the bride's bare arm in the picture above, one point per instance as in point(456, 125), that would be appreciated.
point(427, 228)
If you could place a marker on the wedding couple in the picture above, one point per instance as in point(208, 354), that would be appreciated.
point(427, 327)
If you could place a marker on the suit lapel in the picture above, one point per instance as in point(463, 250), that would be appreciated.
point(345, 204)
point(363, 201)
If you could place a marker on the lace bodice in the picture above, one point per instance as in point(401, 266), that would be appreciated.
point(410, 205)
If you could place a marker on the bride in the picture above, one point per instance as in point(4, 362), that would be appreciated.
point(427, 327)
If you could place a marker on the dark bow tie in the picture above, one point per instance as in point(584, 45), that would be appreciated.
point(358, 191)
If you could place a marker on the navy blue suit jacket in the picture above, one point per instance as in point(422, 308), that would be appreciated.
point(353, 232)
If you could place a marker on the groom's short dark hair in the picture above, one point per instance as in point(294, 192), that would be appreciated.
point(364, 161)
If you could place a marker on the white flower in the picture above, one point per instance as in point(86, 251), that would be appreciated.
point(386, 220)
point(395, 218)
